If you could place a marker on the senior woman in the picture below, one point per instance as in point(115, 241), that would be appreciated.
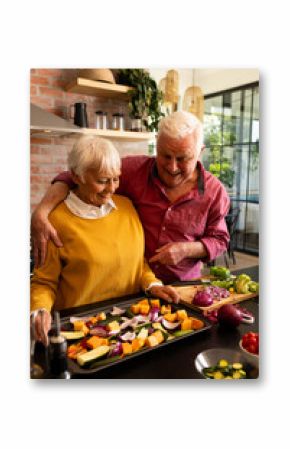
point(103, 243)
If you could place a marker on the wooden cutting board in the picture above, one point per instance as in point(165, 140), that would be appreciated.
point(187, 293)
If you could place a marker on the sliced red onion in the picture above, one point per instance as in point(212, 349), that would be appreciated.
point(80, 318)
point(116, 349)
point(117, 311)
point(126, 324)
point(113, 332)
point(217, 292)
point(211, 315)
point(168, 325)
point(99, 331)
point(245, 312)
point(128, 336)
point(139, 319)
point(153, 314)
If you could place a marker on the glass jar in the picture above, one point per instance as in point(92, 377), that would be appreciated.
point(136, 124)
point(101, 120)
point(118, 121)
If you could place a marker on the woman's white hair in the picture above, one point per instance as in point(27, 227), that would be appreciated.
point(94, 152)
point(179, 125)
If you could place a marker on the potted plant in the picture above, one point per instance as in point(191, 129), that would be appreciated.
point(145, 97)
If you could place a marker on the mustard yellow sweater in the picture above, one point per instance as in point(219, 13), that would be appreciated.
point(100, 259)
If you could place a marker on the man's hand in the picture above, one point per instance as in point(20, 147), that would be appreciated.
point(41, 228)
point(165, 292)
point(171, 253)
point(41, 232)
point(42, 325)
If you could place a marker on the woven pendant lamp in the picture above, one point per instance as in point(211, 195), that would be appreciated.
point(171, 86)
point(193, 101)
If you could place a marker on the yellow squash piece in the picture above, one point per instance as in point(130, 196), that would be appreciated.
point(171, 317)
point(113, 326)
point(158, 335)
point(95, 341)
point(135, 308)
point(165, 309)
point(155, 302)
point(127, 348)
point(144, 309)
point(81, 326)
point(186, 324)
point(181, 314)
point(151, 341)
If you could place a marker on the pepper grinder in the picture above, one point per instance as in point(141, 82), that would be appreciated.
point(57, 352)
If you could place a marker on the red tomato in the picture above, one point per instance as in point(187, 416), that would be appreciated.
point(251, 341)
point(251, 348)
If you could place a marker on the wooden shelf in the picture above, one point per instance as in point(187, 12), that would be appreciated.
point(119, 135)
point(98, 88)
point(106, 133)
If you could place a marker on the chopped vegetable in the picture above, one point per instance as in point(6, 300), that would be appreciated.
point(225, 370)
point(169, 325)
point(73, 335)
point(250, 342)
point(117, 311)
point(94, 354)
point(228, 315)
point(126, 332)
point(220, 272)
point(202, 299)
point(128, 336)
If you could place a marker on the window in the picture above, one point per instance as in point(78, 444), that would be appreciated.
point(231, 125)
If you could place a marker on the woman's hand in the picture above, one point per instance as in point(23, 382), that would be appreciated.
point(165, 292)
point(42, 324)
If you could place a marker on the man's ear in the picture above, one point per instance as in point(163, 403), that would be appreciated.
point(201, 151)
point(76, 179)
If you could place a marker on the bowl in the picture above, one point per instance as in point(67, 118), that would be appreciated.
point(210, 357)
point(253, 358)
point(104, 75)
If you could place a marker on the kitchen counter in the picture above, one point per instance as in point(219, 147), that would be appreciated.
point(176, 360)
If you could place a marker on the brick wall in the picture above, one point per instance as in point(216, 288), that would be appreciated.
point(49, 155)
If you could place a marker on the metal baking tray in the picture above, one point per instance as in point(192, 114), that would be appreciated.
point(73, 366)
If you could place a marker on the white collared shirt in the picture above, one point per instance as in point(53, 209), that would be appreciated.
point(84, 210)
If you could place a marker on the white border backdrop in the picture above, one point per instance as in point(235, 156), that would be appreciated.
point(167, 414)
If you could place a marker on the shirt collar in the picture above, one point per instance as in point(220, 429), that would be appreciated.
point(200, 179)
point(84, 210)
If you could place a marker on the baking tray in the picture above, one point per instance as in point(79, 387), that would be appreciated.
point(73, 366)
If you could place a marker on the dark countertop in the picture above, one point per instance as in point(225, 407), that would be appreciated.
point(176, 360)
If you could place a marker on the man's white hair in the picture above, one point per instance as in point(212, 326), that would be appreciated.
point(94, 152)
point(180, 124)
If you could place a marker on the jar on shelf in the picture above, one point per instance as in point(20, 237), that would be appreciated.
point(136, 124)
point(118, 121)
point(152, 146)
point(101, 120)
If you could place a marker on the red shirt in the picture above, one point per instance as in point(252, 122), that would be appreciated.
point(197, 216)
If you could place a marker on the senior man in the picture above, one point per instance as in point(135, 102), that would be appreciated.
point(182, 207)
